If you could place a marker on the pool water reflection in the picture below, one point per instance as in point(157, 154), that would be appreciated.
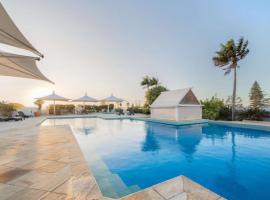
point(126, 156)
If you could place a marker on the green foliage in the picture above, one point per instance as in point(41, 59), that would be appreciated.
point(253, 114)
point(256, 96)
point(153, 93)
point(238, 102)
point(62, 109)
point(148, 82)
point(137, 109)
point(17, 105)
point(212, 108)
point(230, 53)
point(227, 59)
point(95, 108)
point(6, 109)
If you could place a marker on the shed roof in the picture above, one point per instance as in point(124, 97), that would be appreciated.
point(174, 98)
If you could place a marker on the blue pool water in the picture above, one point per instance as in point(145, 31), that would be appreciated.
point(126, 156)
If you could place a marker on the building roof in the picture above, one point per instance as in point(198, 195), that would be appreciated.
point(175, 98)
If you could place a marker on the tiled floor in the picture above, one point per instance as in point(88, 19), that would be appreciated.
point(46, 163)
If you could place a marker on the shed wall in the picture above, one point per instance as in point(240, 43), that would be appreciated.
point(189, 113)
point(163, 113)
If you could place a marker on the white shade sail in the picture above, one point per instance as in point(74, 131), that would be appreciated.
point(113, 99)
point(85, 98)
point(20, 66)
point(11, 35)
point(53, 97)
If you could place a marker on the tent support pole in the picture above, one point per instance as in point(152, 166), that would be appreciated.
point(54, 107)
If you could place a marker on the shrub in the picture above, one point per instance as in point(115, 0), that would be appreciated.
point(6, 109)
point(212, 108)
point(253, 114)
point(137, 109)
point(61, 109)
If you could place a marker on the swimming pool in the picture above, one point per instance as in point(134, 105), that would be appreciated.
point(128, 155)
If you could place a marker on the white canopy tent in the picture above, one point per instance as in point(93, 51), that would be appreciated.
point(11, 35)
point(53, 97)
point(20, 66)
point(112, 99)
point(85, 99)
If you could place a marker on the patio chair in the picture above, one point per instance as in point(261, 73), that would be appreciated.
point(21, 114)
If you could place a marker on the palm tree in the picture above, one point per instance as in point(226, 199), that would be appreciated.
point(146, 82)
point(227, 58)
point(39, 103)
point(154, 81)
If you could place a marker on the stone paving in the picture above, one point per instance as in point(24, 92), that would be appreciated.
point(45, 162)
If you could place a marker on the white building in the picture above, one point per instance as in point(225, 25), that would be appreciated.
point(176, 105)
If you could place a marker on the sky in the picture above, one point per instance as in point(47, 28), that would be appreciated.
point(103, 46)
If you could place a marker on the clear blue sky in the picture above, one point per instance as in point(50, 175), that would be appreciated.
point(104, 46)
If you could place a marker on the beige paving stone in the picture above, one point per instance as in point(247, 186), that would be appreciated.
point(78, 168)
point(4, 159)
point(182, 196)
point(28, 194)
point(95, 193)
point(66, 188)
point(18, 163)
point(40, 180)
point(4, 169)
point(6, 191)
point(170, 188)
point(55, 196)
point(52, 166)
point(148, 194)
point(36, 164)
point(12, 174)
point(196, 191)
point(85, 187)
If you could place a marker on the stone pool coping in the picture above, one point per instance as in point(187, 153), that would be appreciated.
point(256, 125)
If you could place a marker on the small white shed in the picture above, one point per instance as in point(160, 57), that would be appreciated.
point(176, 105)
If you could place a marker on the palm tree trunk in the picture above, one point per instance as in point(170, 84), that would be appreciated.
point(234, 94)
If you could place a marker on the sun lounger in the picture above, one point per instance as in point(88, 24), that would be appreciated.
point(22, 115)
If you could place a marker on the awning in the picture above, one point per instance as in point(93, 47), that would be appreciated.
point(11, 35)
point(20, 66)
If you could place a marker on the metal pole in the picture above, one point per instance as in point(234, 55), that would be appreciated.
point(54, 107)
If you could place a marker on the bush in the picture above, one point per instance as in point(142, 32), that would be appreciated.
point(253, 114)
point(6, 109)
point(141, 110)
point(213, 108)
point(61, 109)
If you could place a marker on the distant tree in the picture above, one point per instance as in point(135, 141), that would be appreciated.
point(146, 82)
point(153, 93)
point(154, 81)
point(17, 105)
point(227, 58)
point(6, 109)
point(39, 103)
point(238, 102)
point(256, 96)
